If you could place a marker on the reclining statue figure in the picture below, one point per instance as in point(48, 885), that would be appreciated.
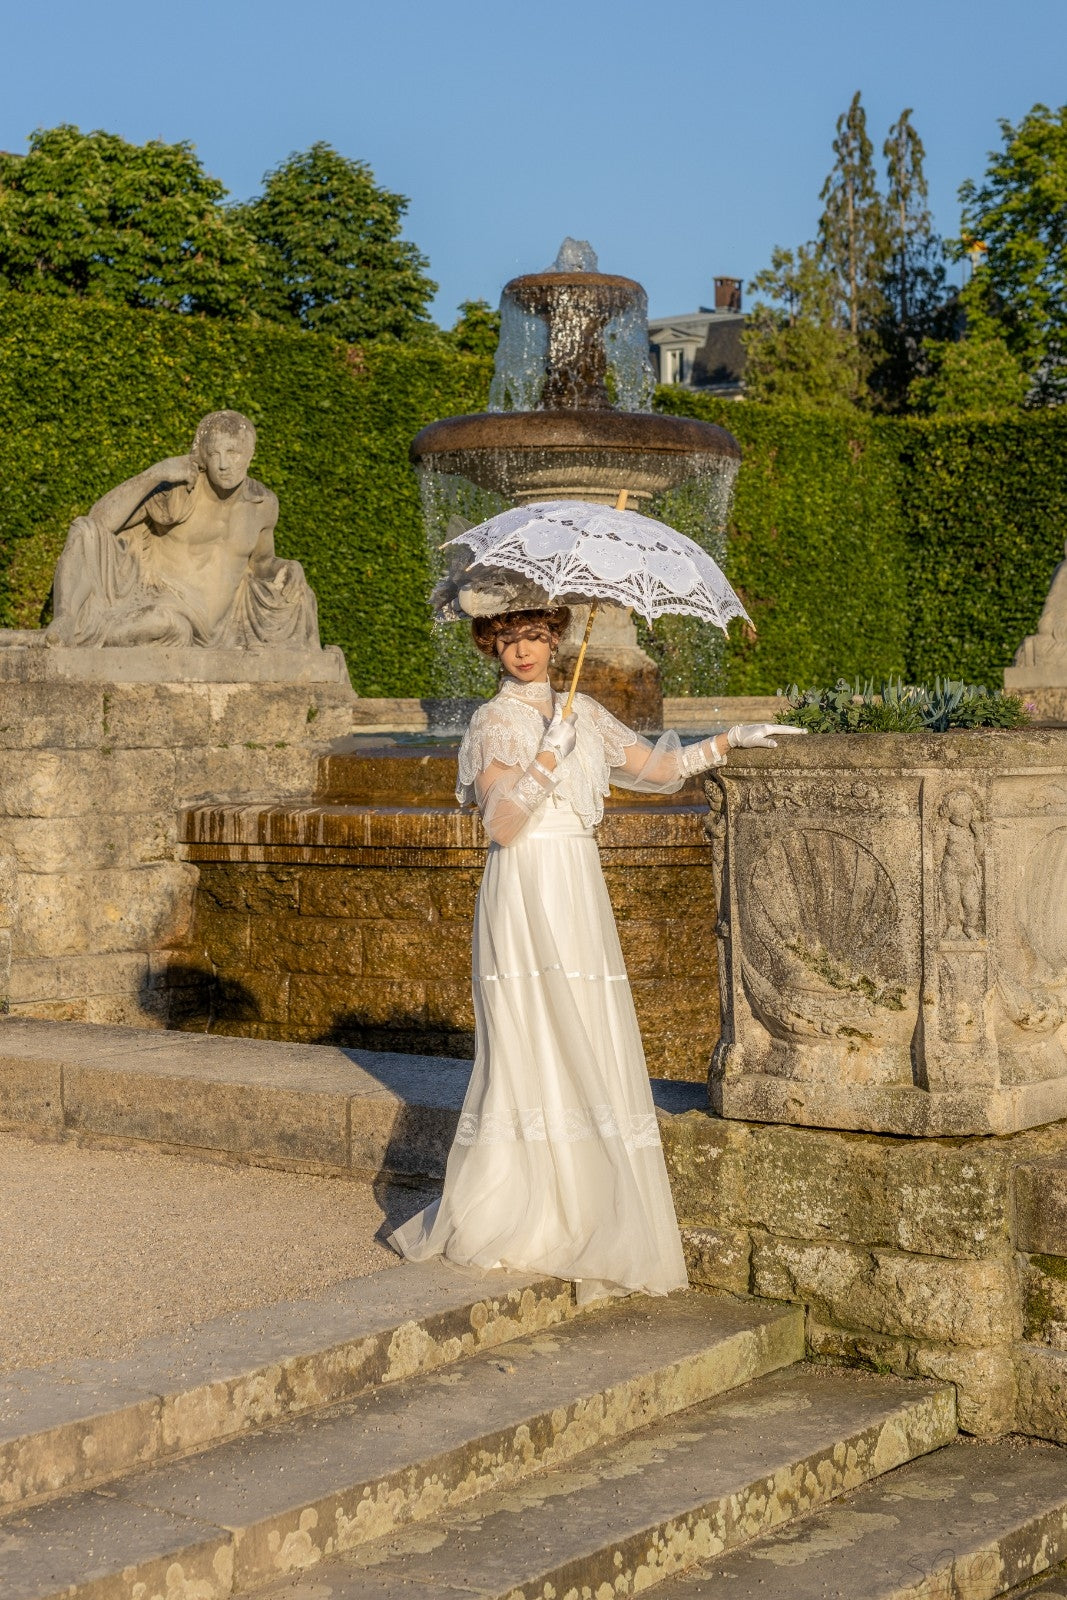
point(183, 554)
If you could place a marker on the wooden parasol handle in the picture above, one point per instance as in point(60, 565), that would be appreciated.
point(620, 505)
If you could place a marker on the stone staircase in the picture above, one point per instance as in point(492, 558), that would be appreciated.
point(430, 1432)
point(427, 1431)
point(386, 1434)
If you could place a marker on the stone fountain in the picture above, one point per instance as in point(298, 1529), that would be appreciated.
point(569, 418)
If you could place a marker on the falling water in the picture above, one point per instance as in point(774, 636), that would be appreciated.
point(522, 356)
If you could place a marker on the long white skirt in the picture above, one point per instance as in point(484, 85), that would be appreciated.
point(557, 1165)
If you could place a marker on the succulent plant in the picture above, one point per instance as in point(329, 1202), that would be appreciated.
point(893, 706)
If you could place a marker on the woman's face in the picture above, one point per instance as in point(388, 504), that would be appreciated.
point(525, 654)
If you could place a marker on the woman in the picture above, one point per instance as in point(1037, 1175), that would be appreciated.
point(557, 1165)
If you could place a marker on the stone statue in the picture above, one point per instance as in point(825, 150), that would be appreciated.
point(1049, 643)
point(183, 554)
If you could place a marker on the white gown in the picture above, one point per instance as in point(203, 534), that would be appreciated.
point(557, 1165)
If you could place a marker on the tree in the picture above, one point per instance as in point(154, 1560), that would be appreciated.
point(140, 225)
point(977, 372)
point(477, 329)
point(333, 259)
point(915, 305)
point(796, 352)
point(853, 241)
point(1019, 214)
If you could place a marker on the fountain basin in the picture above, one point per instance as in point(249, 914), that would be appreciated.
point(573, 454)
point(347, 917)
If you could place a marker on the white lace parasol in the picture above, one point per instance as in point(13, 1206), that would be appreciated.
point(577, 551)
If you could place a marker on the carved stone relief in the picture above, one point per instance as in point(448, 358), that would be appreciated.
point(821, 937)
point(960, 873)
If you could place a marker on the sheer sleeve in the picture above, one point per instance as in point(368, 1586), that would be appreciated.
point(509, 796)
point(660, 768)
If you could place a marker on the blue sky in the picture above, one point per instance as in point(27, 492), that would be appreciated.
point(684, 139)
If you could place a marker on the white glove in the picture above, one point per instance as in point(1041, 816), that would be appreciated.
point(752, 735)
point(560, 736)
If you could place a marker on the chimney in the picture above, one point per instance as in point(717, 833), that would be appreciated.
point(727, 294)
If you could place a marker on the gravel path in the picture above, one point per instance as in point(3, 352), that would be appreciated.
point(99, 1248)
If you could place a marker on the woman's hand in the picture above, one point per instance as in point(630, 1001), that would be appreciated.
point(758, 735)
point(559, 737)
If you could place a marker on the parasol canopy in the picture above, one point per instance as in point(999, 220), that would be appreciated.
point(572, 551)
point(575, 551)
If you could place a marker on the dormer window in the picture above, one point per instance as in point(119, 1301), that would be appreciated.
point(673, 366)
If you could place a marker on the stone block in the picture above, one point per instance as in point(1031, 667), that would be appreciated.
point(67, 977)
point(1044, 1280)
point(52, 716)
point(261, 890)
point(964, 1303)
point(718, 1258)
point(246, 768)
point(138, 908)
point(85, 844)
point(450, 1005)
point(76, 783)
point(984, 1379)
point(157, 716)
point(922, 1197)
point(706, 1169)
point(1041, 1207)
point(455, 891)
point(433, 950)
point(306, 944)
point(644, 949)
point(1041, 1375)
point(327, 1003)
point(226, 940)
point(246, 996)
point(246, 1119)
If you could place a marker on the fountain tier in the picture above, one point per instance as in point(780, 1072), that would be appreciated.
point(565, 422)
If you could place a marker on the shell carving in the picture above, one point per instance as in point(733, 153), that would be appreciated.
point(821, 914)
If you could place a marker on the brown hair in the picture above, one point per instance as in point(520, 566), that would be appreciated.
point(487, 630)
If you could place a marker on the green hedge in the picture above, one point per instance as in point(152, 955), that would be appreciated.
point(861, 545)
point(869, 545)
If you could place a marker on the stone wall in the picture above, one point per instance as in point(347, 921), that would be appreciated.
point(367, 943)
point(92, 776)
point(934, 1258)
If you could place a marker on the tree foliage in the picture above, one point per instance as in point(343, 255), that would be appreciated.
point(1017, 215)
point(332, 257)
point(976, 373)
point(138, 225)
point(795, 351)
point(916, 304)
point(853, 236)
point(477, 329)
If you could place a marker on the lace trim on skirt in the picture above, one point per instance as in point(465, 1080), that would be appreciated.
point(557, 1127)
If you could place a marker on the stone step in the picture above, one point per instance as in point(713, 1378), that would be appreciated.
point(305, 1107)
point(278, 1501)
point(969, 1522)
point(623, 1518)
point(67, 1426)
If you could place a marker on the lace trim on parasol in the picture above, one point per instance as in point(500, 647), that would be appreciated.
point(563, 1126)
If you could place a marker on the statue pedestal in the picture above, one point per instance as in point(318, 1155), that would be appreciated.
point(99, 750)
point(27, 656)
